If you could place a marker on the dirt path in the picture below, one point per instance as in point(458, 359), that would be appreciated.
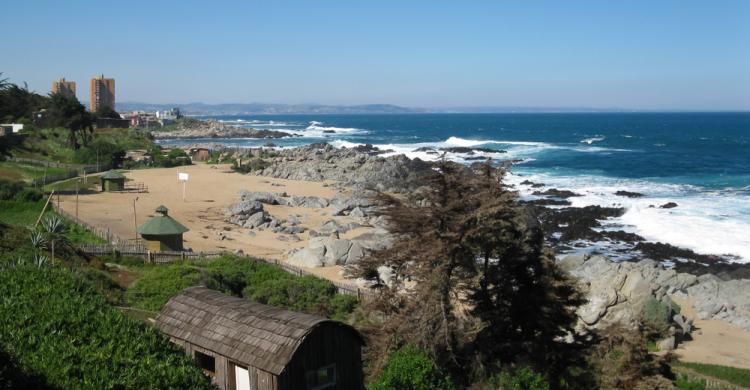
point(210, 190)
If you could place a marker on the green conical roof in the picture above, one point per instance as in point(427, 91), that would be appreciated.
point(113, 175)
point(161, 224)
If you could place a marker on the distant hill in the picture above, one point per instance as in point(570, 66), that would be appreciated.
point(263, 108)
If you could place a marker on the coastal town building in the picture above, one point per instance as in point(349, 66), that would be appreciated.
point(101, 93)
point(162, 232)
point(246, 345)
point(112, 181)
point(10, 128)
point(64, 87)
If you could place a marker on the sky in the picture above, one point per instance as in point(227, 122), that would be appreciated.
point(668, 55)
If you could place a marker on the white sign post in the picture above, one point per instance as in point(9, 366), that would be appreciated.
point(183, 177)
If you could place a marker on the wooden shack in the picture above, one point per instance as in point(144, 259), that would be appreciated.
point(200, 154)
point(162, 232)
point(246, 345)
point(112, 181)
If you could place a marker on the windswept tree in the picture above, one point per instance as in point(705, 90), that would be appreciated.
point(468, 279)
point(69, 113)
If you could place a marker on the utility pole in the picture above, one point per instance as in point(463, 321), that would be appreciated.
point(135, 221)
point(78, 182)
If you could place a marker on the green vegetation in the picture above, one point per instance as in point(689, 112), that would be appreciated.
point(20, 171)
point(410, 368)
point(254, 164)
point(737, 376)
point(57, 327)
point(238, 276)
point(522, 379)
point(657, 317)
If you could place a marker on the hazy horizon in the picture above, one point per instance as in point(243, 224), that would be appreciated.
point(639, 56)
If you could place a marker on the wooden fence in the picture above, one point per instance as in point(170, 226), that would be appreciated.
point(118, 246)
point(105, 234)
point(132, 249)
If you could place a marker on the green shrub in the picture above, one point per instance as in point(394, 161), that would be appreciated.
point(411, 368)
point(307, 293)
point(159, 284)
point(9, 189)
point(522, 379)
point(54, 325)
point(239, 276)
point(656, 316)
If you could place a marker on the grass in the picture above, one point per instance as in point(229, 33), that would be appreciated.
point(20, 213)
point(736, 376)
point(17, 171)
point(70, 184)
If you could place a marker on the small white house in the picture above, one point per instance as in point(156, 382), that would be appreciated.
point(8, 128)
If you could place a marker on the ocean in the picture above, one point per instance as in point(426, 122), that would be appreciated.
point(701, 161)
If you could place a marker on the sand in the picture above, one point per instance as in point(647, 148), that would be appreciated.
point(212, 188)
point(714, 341)
point(209, 191)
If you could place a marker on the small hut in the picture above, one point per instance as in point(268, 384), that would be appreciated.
point(243, 345)
point(112, 181)
point(162, 232)
point(200, 154)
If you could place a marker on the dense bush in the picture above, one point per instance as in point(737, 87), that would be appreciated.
point(255, 164)
point(16, 190)
point(159, 284)
point(54, 325)
point(411, 368)
point(657, 316)
point(254, 280)
point(522, 379)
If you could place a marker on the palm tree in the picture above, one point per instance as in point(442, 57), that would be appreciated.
point(4, 84)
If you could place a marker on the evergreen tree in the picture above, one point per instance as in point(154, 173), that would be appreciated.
point(471, 282)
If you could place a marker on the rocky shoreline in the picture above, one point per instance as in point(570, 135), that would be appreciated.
point(195, 129)
point(617, 290)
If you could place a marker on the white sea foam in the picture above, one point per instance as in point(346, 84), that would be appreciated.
point(708, 222)
point(593, 139)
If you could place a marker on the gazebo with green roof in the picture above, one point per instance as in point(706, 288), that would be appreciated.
point(112, 181)
point(162, 232)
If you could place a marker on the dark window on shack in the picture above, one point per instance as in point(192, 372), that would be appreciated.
point(322, 378)
point(206, 362)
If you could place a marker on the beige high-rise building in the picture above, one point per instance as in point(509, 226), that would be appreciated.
point(66, 88)
point(101, 93)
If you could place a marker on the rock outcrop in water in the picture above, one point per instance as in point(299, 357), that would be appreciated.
point(216, 129)
point(349, 167)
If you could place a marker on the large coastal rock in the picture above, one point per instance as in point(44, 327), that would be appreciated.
point(349, 167)
point(617, 291)
point(332, 250)
point(215, 129)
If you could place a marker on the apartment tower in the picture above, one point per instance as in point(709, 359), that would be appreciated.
point(101, 93)
point(65, 88)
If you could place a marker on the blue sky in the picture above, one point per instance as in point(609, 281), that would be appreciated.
point(627, 54)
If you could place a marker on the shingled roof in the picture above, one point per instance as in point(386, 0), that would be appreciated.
point(247, 332)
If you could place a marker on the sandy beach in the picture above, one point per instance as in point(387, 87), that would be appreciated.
point(714, 341)
point(209, 191)
point(212, 188)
